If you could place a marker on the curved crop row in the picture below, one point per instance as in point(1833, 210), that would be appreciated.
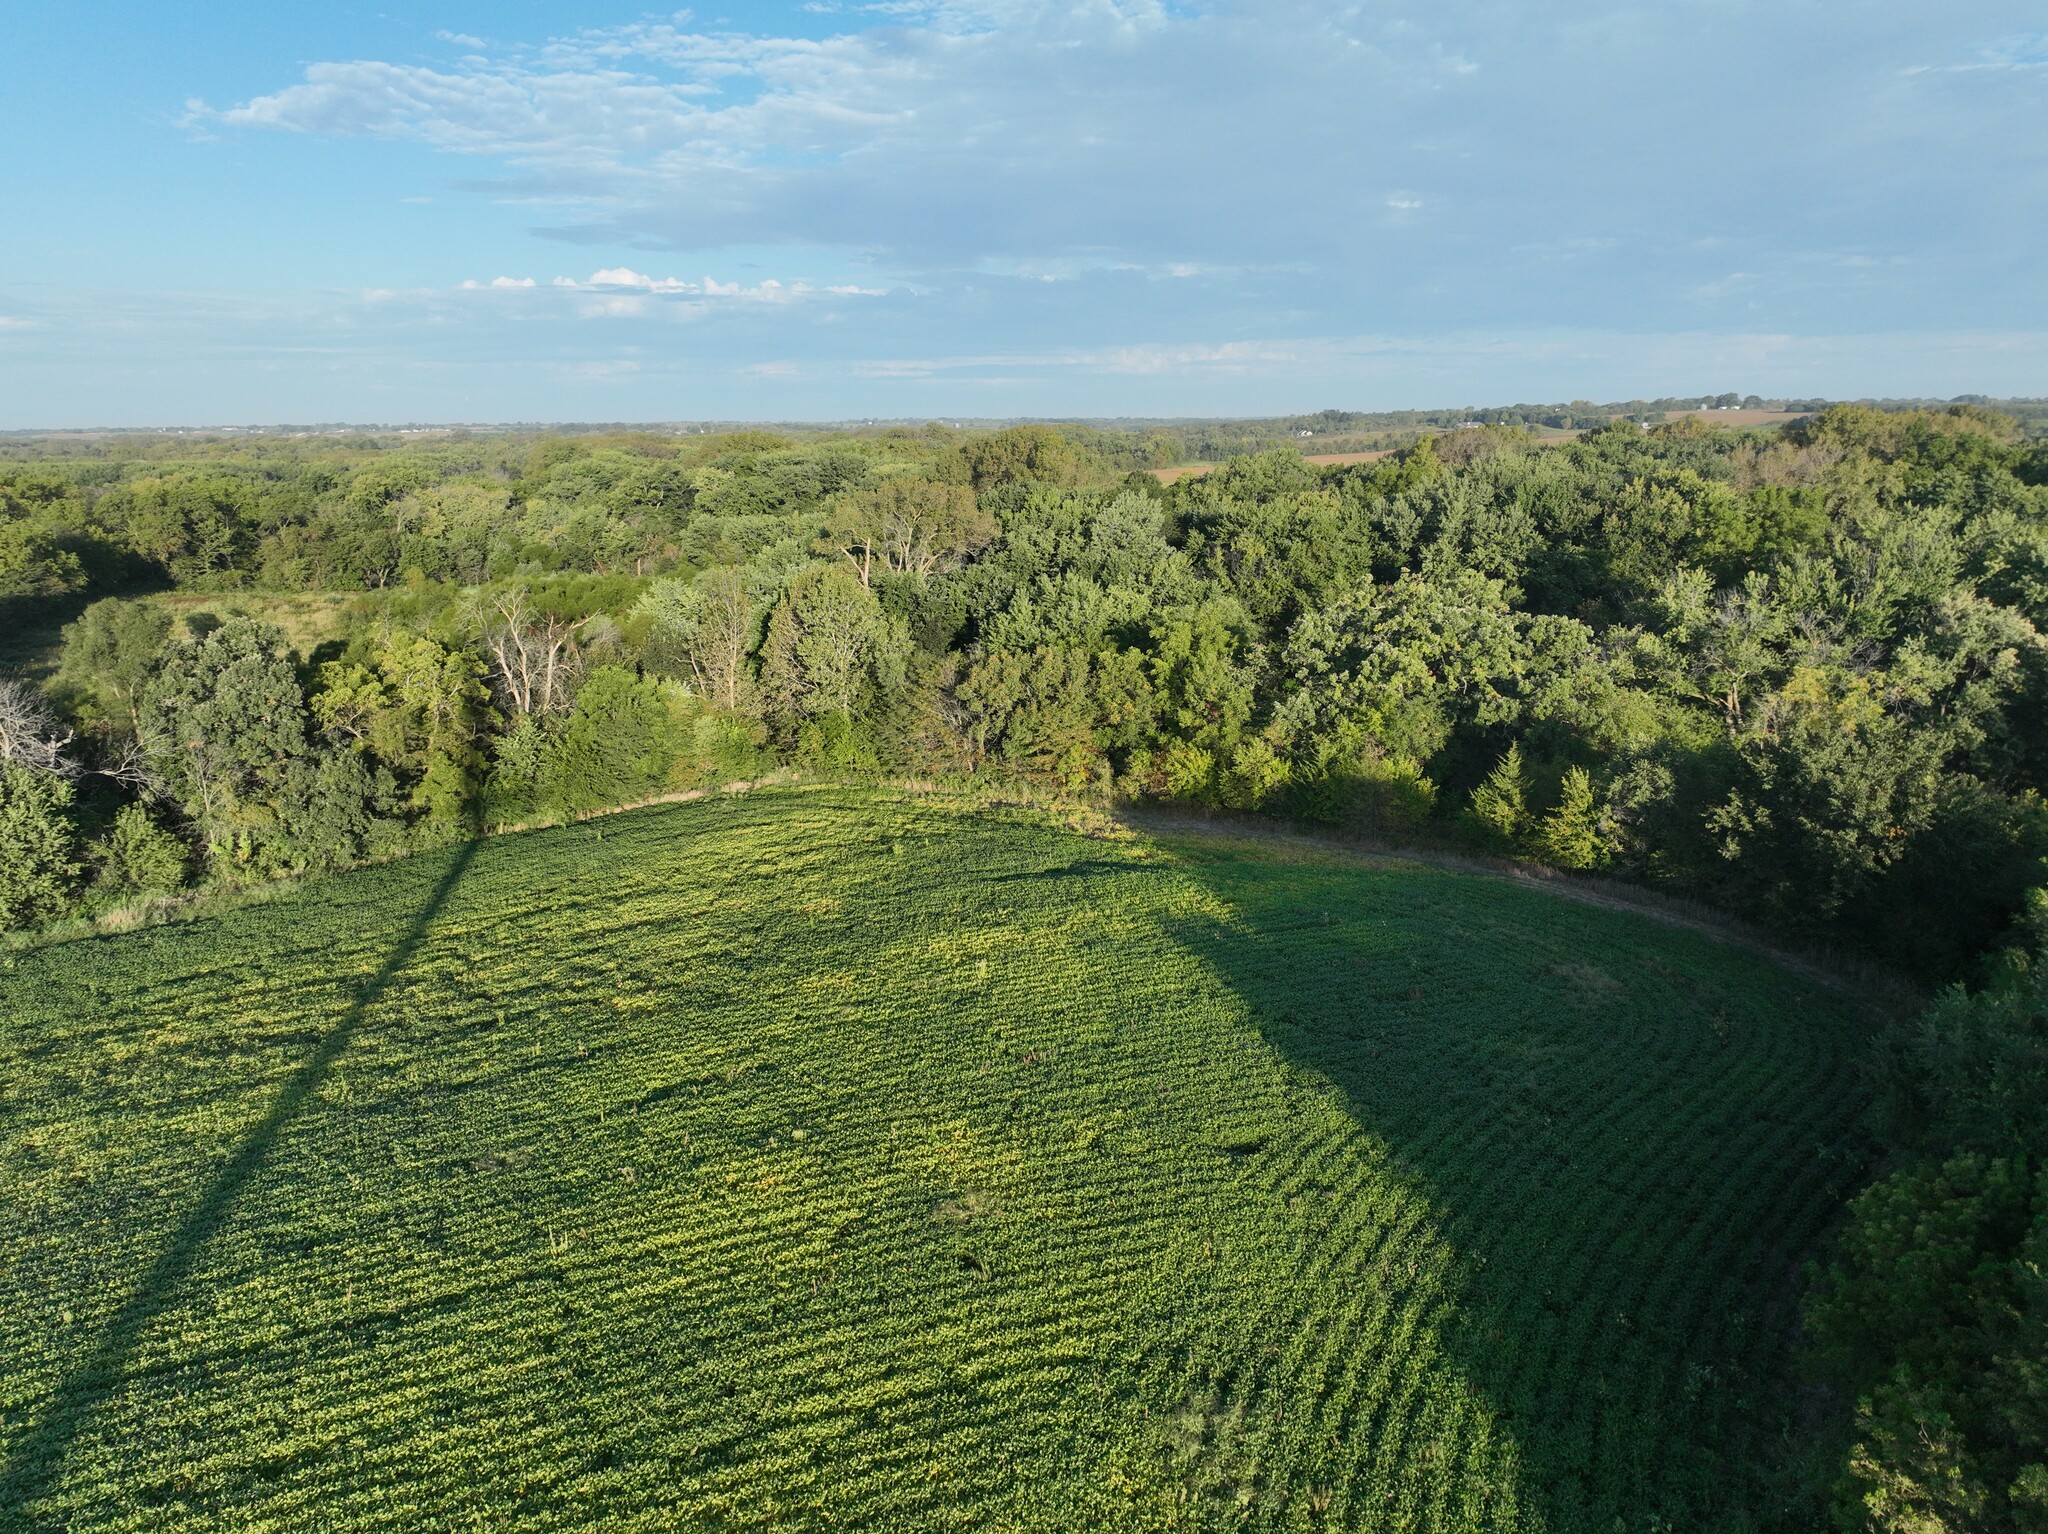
point(829, 1159)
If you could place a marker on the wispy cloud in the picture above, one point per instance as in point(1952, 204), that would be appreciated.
point(1395, 158)
point(440, 354)
point(2026, 53)
point(1180, 205)
point(619, 290)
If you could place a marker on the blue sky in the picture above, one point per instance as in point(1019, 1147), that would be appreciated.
point(526, 211)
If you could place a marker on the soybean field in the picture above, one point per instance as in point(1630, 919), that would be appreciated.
point(834, 1158)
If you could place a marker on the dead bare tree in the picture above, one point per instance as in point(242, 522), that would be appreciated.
point(535, 658)
point(29, 733)
point(131, 767)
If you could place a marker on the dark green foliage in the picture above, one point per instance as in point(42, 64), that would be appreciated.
point(225, 728)
point(109, 654)
point(222, 721)
point(36, 562)
point(1363, 794)
point(38, 846)
point(1404, 664)
point(830, 648)
point(623, 740)
point(420, 710)
point(189, 525)
point(1932, 1312)
point(136, 857)
point(616, 744)
point(47, 548)
point(1021, 455)
point(1803, 672)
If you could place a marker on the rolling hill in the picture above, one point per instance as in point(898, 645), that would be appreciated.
point(836, 1158)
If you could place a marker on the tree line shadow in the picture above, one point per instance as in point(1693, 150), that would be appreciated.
point(1628, 1144)
point(42, 1448)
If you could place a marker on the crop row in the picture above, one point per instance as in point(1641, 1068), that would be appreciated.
point(826, 1159)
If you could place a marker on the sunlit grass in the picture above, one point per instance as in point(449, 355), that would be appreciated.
point(830, 1158)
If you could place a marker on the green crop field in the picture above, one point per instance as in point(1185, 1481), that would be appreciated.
point(833, 1158)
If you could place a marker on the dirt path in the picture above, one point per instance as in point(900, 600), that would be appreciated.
point(1881, 992)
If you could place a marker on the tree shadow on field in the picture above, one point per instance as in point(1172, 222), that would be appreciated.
point(1628, 1138)
point(38, 1461)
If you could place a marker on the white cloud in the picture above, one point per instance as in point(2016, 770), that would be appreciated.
point(619, 290)
point(1042, 197)
point(621, 371)
point(935, 138)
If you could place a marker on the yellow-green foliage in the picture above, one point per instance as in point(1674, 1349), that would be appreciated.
point(836, 1159)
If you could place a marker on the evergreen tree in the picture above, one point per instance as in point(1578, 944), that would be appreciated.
point(1570, 835)
point(36, 846)
point(1502, 801)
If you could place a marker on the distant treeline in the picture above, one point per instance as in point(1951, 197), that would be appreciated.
point(1799, 672)
point(1158, 442)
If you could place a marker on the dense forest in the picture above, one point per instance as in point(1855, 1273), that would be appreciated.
point(1797, 673)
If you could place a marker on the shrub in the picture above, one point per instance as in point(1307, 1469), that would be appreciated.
point(1257, 772)
point(1386, 796)
point(1189, 773)
point(137, 857)
point(617, 743)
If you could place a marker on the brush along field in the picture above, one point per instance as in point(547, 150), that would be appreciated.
point(838, 1159)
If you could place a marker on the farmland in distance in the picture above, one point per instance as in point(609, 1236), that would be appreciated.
point(836, 1158)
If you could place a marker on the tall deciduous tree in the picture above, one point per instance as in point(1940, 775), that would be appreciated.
point(705, 630)
point(109, 653)
point(535, 660)
point(421, 709)
point(829, 643)
point(29, 733)
point(907, 526)
point(223, 722)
